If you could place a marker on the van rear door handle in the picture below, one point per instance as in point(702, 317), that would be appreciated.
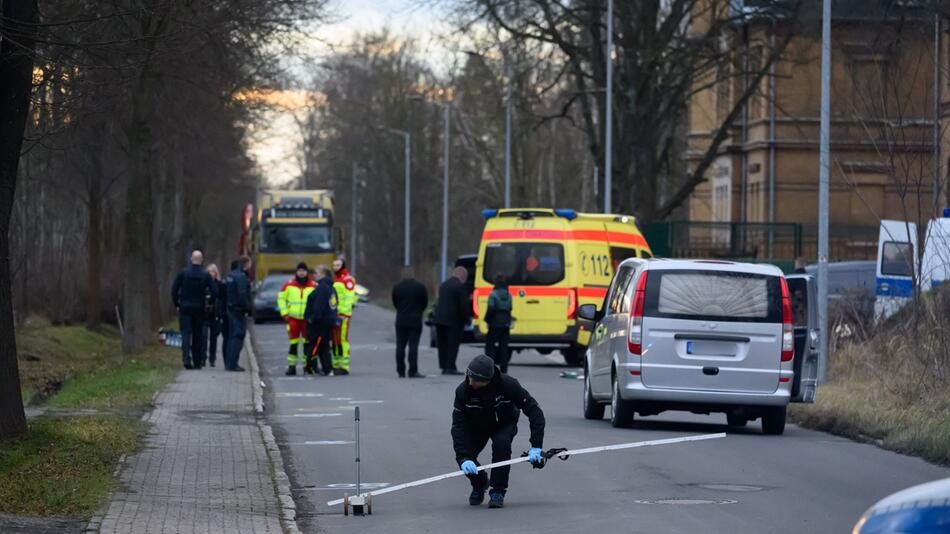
point(711, 371)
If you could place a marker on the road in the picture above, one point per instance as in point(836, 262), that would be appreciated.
point(803, 481)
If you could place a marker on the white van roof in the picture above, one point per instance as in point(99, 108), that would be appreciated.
point(709, 265)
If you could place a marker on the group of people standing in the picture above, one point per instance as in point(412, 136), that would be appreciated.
point(208, 307)
point(317, 309)
point(450, 317)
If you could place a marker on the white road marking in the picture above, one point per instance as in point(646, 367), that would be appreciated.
point(341, 398)
point(367, 402)
point(327, 442)
point(310, 415)
point(300, 394)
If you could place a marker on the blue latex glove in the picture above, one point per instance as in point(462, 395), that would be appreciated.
point(534, 455)
point(469, 467)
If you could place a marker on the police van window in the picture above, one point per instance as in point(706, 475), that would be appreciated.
point(896, 259)
point(524, 264)
point(618, 254)
point(616, 290)
point(625, 295)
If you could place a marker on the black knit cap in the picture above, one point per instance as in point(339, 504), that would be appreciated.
point(303, 266)
point(481, 368)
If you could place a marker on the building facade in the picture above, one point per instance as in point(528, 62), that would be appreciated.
point(885, 141)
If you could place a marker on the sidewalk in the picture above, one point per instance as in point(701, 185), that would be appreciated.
point(206, 464)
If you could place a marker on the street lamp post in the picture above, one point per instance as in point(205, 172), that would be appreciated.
point(824, 153)
point(609, 112)
point(407, 138)
point(508, 114)
point(446, 125)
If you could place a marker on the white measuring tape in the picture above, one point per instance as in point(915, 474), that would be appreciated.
point(575, 452)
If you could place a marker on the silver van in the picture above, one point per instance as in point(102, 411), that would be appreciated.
point(702, 336)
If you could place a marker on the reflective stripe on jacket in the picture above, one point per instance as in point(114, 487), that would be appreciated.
point(292, 298)
point(345, 286)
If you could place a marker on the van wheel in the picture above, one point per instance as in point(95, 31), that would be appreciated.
point(572, 356)
point(592, 409)
point(736, 420)
point(621, 411)
point(773, 421)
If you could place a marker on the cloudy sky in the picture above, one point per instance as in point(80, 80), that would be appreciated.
point(274, 142)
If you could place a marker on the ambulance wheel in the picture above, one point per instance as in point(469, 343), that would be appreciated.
point(592, 409)
point(572, 356)
point(346, 504)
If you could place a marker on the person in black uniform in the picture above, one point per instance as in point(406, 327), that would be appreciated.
point(498, 318)
point(487, 407)
point(239, 306)
point(451, 314)
point(320, 315)
point(189, 292)
point(410, 299)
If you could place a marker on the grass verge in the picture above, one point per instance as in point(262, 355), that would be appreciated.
point(64, 466)
point(855, 410)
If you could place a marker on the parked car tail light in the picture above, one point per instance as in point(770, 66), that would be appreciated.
point(788, 335)
point(572, 304)
point(635, 329)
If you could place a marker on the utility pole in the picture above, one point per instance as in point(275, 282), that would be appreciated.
point(825, 141)
point(408, 222)
point(507, 132)
point(353, 229)
point(609, 112)
point(446, 124)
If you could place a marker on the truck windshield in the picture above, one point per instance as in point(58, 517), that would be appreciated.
point(524, 264)
point(277, 238)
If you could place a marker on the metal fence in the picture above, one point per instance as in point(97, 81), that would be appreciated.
point(776, 243)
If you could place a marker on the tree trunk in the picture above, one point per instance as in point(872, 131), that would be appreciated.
point(16, 71)
point(94, 260)
point(137, 263)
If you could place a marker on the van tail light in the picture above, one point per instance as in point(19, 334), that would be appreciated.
point(475, 304)
point(635, 328)
point(788, 335)
point(572, 304)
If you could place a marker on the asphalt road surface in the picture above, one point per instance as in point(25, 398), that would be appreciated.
point(801, 482)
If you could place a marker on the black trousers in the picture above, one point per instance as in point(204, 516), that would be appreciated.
point(448, 339)
point(319, 354)
point(192, 337)
point(496, 347)
point(214, 330)
point(501, 438)
point(407, 336)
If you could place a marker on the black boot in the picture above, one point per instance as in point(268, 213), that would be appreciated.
point(291, 370)
point(477, 496)
point(496, 498)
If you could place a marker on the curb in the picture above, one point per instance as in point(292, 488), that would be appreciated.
point(288, 509)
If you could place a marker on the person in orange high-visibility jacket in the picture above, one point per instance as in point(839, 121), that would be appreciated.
point(292, 302)
point(345, 286)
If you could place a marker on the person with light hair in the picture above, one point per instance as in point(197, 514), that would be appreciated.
point(189, 292)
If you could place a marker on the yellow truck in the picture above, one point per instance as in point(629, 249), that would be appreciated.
point(554, 261)
point(287, 227)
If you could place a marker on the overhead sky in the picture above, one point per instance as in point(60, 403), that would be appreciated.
point(275, 141)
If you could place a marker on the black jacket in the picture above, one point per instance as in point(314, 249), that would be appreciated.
point(190, 289)
point(452, 307)
point(497, 404)
point(239, 292)
point(410, 299)
point(498, 312)
point(320, 312)
point(221, 300)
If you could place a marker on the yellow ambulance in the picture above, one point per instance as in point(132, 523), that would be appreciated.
point(554, 260)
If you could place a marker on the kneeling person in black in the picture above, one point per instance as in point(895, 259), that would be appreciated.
point(487, 407)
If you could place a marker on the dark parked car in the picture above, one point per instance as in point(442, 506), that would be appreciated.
point(468, 335)
point(265, 298)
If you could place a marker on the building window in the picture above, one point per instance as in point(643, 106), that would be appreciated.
point(723, 91)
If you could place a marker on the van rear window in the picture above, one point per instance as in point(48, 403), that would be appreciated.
point(524, 264)
point(714, 296)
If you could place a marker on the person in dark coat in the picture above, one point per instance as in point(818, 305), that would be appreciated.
point(215, 315)
point(410, 299)
point(189, 292)
point(221, 311)
point(320, 315)
point(451, 314)
point(498, 318)
point(239, 305)
point(487, 407)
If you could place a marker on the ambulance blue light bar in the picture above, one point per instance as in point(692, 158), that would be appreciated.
point(567, 214)
point(489, 213)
